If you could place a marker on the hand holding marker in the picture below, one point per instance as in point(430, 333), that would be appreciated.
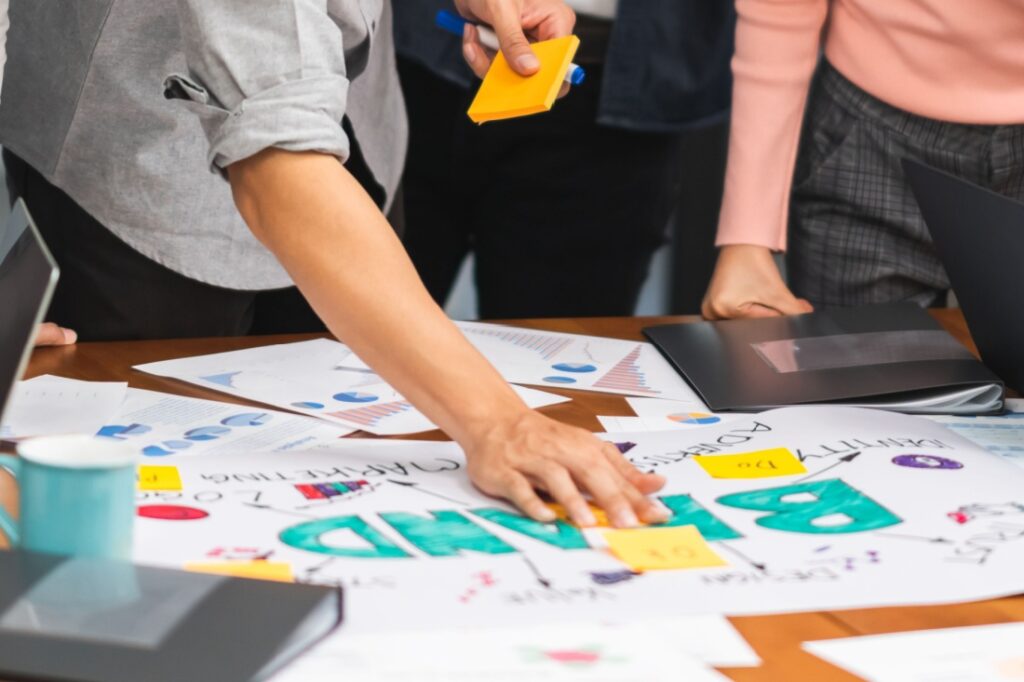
point(454, 24)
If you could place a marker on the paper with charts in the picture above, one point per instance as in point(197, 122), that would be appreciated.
point(307, 377)
point(591, 363)
point(168, 427)
point(807, 508)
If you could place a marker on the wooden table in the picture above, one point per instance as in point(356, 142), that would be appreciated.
point(776, 638)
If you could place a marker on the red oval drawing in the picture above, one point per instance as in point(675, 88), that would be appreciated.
point(171, 512)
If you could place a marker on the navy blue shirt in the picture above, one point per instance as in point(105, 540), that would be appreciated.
point(666, 70)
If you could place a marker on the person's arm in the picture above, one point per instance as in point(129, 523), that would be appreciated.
point(282, 155)
point(777, 49)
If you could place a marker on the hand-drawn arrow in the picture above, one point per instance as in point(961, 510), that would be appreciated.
point(425, 491)
point(845, 459)
point(536, 572)
point(732, 550)
point(281, 511)
point(920, 538)
point(323, 564)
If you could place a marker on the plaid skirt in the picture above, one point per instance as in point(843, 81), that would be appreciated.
point(856, 235)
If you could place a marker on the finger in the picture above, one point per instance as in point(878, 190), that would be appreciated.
point(514, 45)
point(545, 22)
point(559, 484)
point(805, 305)
point(516, 489)
point(607, 488)
point(645, 483)
point(474, 53)
point(758, 310)
point(563, 91)
point(50, 334)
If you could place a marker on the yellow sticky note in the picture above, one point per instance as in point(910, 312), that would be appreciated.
point(278, 571)
point(599, 515)
point(159, 478)
point(657, 549)
point(760, 464)
point(506, 94)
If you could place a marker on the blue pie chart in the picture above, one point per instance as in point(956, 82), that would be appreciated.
point(559, 380)
point(355, 397)
point(206, 433)
point(575, 367)
point(249, 419)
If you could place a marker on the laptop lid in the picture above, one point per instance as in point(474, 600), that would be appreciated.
point(979, 236)
point(28, 276)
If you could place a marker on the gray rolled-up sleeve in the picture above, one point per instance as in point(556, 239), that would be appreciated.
point(262, 74)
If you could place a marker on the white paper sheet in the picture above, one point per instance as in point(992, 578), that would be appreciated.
point(50, 405)
point(591, 363)
point(572, 652)
point(984, 653)
point(307, 377)
point(1002, 435)
point(655, 414)
point(920, 516)
point(165, 426)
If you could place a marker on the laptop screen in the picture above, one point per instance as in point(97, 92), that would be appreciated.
point(28, 275)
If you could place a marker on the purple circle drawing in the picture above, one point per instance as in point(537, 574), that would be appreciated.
point(926, 462)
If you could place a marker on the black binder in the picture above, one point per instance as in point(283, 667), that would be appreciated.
point(893, 357)
point(95, 620)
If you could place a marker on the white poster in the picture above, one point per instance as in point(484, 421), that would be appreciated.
point(799, 509)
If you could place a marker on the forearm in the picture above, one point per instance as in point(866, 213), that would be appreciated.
point(347, 261)
point(777, 45)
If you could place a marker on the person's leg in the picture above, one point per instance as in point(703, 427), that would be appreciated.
point(435, 234)
point(571, 212)
point(109, 291)
point(856, 233)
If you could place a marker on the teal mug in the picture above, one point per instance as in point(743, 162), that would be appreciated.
point(76, 497)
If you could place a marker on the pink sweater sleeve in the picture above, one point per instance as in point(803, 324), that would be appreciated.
point(777, 47)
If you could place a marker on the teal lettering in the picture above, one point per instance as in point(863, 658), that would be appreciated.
point(307, 536)
point(558, 534)
point(687, 512)
point(830, 497)
point(446, 534)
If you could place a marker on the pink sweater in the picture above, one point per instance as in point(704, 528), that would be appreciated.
point(954, 60)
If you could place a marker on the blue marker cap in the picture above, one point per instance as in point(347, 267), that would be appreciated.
point(576, 75)
point(450, 21)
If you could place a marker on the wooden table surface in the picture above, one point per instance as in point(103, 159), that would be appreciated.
point(777, 639)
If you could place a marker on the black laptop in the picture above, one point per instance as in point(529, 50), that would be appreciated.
point(979, 236)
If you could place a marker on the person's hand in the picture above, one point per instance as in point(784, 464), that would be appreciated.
point(747, 283)
point(532, 452)
point(50, 334)
point(515, 22)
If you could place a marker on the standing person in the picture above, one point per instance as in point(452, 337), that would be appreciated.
point(563, 210)
point(937, 81)
point(302, 115)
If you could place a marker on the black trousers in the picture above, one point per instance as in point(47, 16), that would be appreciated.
point(563, 215)
point(109, 291)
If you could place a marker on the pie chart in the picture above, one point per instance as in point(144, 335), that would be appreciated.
point(355, 397)
point(694, 418)
point(206, 433)
point(248, 419)
point(576, 367)
point(121, 432)
point(559, 380)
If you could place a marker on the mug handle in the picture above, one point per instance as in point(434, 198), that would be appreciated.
point(7, 525)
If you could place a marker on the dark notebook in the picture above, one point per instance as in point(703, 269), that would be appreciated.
point(893, 357)
point(104, 621)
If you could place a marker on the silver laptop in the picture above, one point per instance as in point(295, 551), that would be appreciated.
point(28, 276)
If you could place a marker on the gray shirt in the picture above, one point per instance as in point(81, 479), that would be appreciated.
point(128, 105)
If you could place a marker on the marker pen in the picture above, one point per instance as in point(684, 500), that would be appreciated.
point(453, 23)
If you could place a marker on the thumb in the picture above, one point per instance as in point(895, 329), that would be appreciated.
point(514, 45)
